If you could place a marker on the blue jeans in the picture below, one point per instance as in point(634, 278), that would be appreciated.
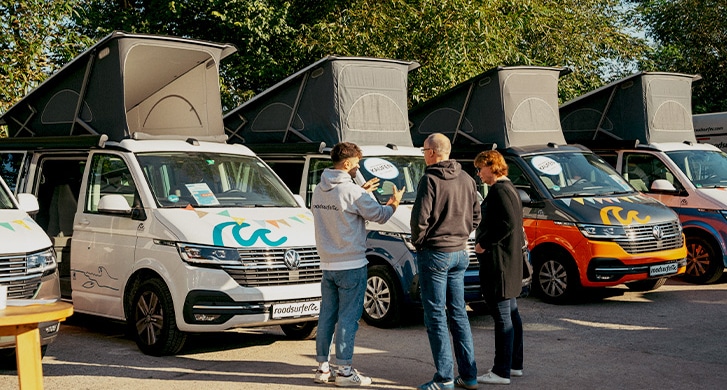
point(441, 277)
point(342, 296)
point(508, 337)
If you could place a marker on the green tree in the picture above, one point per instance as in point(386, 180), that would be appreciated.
point(689, 37)
point(454, 40)
point(35, 40)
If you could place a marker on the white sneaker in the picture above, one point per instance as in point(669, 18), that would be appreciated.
point(493, 379)
point(516, 372)
point(324, 377)
point(353, 380)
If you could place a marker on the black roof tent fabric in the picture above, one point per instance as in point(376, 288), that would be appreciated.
point(647, 106)
point(336, 99)
point(507, 106)
point(129, 86)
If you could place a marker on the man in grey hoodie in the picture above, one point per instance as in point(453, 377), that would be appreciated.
point(445, 212)
point(340, 210)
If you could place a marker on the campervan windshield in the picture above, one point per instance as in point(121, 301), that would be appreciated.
point(5, 202)
point(399, 171)
point(212, 180)
point(705, 169)
point(577, 174)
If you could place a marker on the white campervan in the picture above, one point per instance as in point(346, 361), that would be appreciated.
point(157, 220)
point(27, 263)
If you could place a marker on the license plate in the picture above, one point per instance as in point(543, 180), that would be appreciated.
point(296, 309)
point(663, 269)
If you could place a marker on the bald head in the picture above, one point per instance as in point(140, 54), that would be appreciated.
point(439, 145)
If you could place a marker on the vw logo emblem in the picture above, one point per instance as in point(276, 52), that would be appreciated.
point(657, 232)
point(292, 259)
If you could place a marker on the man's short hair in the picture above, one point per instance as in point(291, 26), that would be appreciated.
point(344, 150)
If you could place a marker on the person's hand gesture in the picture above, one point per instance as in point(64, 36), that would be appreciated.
point(396, 197)
point(371, 185)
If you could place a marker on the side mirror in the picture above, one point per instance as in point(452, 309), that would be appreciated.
point(28, 203)
point(663, 186)
point(114, 204)
point(524, 197)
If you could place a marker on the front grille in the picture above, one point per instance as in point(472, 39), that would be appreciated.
point(266, 267)
point(474, 264)
point(641, 238)
point(14, 274)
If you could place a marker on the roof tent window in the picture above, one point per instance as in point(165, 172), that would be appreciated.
point(526, 98)
point(374, 93)
point(670, 105)
point(174, 93)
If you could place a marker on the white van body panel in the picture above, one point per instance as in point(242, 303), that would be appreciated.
point(20, 234)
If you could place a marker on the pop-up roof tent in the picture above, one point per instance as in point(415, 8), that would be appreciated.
point(129, 86)
point(647, 106)
point(335, 99)
point(506, 106)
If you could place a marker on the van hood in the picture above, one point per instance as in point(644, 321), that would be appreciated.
point(711, 198)
point(621, 210)
point(20, 234)
point(398, 223)
point(240, 227)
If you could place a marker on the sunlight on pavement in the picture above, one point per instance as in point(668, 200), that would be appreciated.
point(604, 325)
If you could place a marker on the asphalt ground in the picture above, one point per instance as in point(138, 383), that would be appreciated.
point(671, 338)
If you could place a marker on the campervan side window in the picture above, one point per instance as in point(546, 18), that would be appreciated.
point(109, 175)
point(315, 170)
point(641, 169)
point(10, 164)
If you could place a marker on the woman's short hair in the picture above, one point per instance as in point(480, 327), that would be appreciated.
point(344, 150)
point(494, 160)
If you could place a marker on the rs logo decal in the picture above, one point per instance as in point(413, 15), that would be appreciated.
point(631, 216)
point(259, 234)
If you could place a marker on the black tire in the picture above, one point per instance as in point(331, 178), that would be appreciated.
point(555, 278)
point(8, 360)
point(382, 302)
point(151, 320)
point(301, 330)
point(704, 261)
point(646, 285)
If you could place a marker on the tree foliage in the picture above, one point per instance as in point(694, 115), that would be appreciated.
point(689, 37)
point(454, 40)
point(35, 40)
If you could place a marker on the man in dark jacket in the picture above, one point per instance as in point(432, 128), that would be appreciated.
point(445, 212)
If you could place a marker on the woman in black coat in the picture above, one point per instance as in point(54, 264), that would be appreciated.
point(499, 245)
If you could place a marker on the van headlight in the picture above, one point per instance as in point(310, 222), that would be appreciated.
point(44, 261)
point(603, 232)
point(203, 254)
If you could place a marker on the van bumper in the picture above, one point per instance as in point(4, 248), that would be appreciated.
point(215, 309)
point(601, 270)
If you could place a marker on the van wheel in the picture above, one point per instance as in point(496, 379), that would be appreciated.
point(301, 330)
point(555, 279)
point(382, 304)
point(151, 320)
point(704, 264)
point(646, 285)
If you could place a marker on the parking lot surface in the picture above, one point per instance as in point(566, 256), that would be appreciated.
point(671, 338)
